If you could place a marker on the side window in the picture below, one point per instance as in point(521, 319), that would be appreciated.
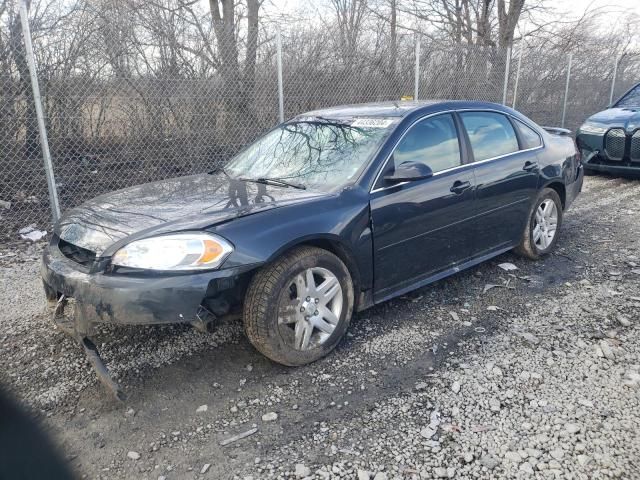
point(433, 142)
point(491, 134)
point(529, 137)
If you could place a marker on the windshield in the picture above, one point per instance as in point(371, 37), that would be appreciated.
point(631, 99)
point(315, 153)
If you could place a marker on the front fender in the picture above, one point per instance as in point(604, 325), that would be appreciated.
point(341, 220)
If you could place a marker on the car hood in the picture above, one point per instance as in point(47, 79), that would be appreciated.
point(183, 203)
point(627, 118)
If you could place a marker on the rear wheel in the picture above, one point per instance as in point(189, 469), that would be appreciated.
point(298, 308)
point(541, 232)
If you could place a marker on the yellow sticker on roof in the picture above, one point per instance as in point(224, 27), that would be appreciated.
point(372, 122)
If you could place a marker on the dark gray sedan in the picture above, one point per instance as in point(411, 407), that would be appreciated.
point(329, 213)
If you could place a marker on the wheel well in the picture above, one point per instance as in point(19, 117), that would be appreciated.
point(341, 252)
point(334, 247)
point(560, 190)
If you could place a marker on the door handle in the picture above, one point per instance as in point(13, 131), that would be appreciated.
point(530, 166)
point(458, 187)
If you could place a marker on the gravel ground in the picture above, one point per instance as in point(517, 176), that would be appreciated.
point(538, 377)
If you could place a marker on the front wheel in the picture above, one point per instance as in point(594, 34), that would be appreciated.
point(541, 232)
point(298, 307)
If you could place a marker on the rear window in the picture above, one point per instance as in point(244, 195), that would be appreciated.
point(491, 134)
point(528, 136)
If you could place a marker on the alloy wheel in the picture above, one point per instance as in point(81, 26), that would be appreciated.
point(310, 308)
point(545, 224)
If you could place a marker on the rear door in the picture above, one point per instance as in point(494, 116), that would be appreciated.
point(504, 152)
point(425, 226)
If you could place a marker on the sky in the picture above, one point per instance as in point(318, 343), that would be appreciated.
point(572, 7)
point(622, 5)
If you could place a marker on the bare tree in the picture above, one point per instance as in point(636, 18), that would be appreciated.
point(479, 22)
point(508, 17)
point(225, 18)
point(350, 16)
point(19, 59)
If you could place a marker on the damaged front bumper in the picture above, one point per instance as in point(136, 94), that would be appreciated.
point(77, 328)
point(134, 299)
point(125, 298)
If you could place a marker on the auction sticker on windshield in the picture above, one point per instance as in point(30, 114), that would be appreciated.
point(372, 122)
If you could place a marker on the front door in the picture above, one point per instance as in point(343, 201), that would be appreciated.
point(423, 227)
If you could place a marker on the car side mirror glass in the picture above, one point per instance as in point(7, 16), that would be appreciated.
point(409, 172)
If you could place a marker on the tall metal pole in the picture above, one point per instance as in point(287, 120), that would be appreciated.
point(44, 142)
point(566, 90)
point(515, 87)
point(506, 77)
point(417, 75)
point(279, 63)
point(613, 82)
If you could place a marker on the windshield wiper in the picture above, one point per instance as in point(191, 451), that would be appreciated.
point(274, 181)
point(217, 170)
point(267, 181)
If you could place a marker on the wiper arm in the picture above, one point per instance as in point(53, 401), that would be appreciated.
point(218, 169)
point(280, 181)
point(273, 181)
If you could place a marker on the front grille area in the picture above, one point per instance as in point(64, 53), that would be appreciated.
point(634, 151)
point(614, 143)
point(77, 254)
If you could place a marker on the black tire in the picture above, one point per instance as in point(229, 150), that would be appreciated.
point(527, 247)
point(263, 299)
point(589, 173)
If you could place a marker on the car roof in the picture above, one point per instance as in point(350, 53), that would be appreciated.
point(397, 109)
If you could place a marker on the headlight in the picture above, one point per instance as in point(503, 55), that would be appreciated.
point(181, 251)
point(592, 128)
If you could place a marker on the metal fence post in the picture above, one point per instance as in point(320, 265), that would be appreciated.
point(515, 87)
point(279, 63)
point(44, 142)
point(566, 90)
point(506, 76)
point(613, 81)
point(416, 87)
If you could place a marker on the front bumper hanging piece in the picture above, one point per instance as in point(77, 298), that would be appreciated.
point(78, 329)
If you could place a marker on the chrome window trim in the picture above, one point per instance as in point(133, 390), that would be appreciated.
point(504, 113)
point(386, 160)
point(384, 164)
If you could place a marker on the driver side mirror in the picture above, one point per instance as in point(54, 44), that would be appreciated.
point(409, 172)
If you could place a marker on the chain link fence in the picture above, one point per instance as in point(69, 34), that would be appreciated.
point(23, 187)
point(122, 120)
